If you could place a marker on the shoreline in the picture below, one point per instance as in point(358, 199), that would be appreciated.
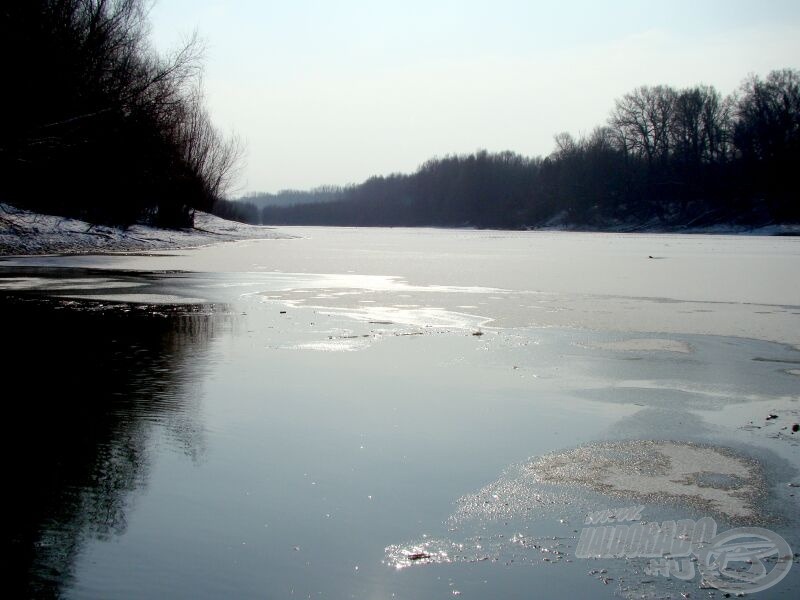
point(24, 233)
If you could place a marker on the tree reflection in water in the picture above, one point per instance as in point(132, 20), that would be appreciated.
point(85, 387)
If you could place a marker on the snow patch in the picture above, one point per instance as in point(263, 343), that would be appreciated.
point(25, 232)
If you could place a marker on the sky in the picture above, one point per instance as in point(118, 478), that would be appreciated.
point(335, 92)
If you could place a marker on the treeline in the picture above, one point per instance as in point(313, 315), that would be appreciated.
point(248, 208)
point(317, 195)
point(665, 157)
point(96, 124)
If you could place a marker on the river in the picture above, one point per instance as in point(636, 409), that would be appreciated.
point(398, 413)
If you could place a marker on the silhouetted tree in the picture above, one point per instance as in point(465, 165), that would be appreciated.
point(701, 129)
point(642, 120)
point(96, 124)
point(767, 136)
point(667, 158)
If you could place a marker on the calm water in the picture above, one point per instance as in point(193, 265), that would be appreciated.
point(293, 418)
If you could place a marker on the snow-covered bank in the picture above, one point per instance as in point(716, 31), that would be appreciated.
point(711, 226)
point(789, 229)
point(24, 232)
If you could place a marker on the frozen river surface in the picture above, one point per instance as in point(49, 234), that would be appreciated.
point(390, 413)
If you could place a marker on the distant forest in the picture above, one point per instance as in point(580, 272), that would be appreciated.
point(665, 158)
point(96, 124)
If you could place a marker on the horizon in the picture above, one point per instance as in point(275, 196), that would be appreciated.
point(332, 95)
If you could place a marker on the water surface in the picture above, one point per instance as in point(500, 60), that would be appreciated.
point(295, 418)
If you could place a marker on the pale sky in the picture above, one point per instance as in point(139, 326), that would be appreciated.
point(334, 92)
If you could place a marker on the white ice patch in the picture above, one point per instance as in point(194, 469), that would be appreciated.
point(702, 478)
point(52, 284)
point(139, 298)
point(341, 345)
point(349, 284)
point(713, 391)
point(645, 345)
point(414, 317)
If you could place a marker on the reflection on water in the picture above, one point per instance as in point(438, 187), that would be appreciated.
point(91, 387)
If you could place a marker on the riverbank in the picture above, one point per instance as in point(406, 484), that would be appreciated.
point(25, 233)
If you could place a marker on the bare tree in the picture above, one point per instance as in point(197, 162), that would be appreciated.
point(642, 120)
point(104, 127)
point(768, 115)
point(701, 128)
